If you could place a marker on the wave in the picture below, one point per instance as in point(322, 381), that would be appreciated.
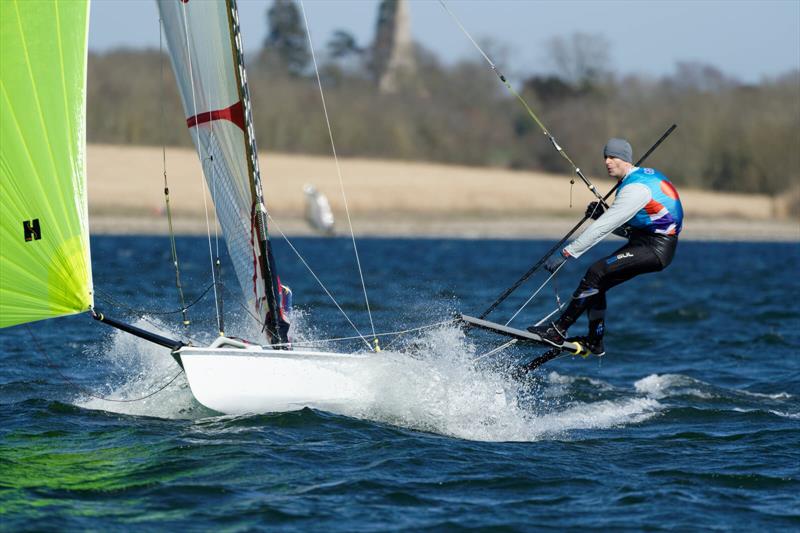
point(721, 400)
point(782, 414)
point(661, 386)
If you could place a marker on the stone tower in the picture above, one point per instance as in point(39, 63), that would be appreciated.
point(393, 62)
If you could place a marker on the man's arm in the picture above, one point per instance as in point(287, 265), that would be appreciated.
point(627, 203)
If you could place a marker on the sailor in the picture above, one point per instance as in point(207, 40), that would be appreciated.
point(647, 211)
point(285, 301)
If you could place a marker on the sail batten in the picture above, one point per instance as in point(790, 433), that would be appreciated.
point(205, 51)
point(45, 266)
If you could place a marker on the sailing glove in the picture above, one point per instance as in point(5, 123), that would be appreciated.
point(594, 210)
point(554, 263)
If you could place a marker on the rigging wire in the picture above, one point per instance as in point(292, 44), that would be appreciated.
point(199, 144)
point(359, 336)
point(324, 288)
point(524, 103)
point(385, 334)
point(143, 313)
point(499, 349)
point(514, 341)
point(213, 176)
point(532, 296)
point(110, 299)
point(173, 247)
point(339, 172)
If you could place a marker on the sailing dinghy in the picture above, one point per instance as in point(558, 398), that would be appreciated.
point(45, 267)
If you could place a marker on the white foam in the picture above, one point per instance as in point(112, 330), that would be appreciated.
point(661, 385)
point(782, 414)
point(443, 392)
point(145, 368)
point(776, 396)
point(664, 385)
point(794, 416)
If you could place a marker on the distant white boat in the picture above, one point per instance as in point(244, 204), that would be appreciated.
point(318, 210)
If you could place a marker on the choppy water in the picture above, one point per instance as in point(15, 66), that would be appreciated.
point(691, 421)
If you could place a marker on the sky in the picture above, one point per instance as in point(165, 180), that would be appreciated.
point(748, 40)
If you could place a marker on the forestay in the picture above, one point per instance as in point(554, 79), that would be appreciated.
point(45, 265)
point(205, 48)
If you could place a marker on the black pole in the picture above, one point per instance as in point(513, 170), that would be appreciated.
point(560, 243)
point(542, 359)
point(172, 344)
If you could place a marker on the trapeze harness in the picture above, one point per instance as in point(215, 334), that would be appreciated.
point(647, 210)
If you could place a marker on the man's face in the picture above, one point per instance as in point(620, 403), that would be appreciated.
point(617, 168)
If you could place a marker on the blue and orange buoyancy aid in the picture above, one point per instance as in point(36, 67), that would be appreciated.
point(663, 213)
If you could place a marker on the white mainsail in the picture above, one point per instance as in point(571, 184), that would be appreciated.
point(205, 48)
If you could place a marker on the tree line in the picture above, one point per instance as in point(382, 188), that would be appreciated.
point(732, 136)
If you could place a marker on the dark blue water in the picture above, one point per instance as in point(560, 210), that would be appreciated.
point(691, 421)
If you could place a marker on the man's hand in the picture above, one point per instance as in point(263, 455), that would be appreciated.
point(555, 262)
point(594, 210)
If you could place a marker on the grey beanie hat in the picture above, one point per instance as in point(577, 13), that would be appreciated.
point(619, 148)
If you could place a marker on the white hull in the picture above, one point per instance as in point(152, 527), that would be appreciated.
point(233, 378)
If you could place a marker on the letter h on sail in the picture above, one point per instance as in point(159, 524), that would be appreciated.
point(32, 230)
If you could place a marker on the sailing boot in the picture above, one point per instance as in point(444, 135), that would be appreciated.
point(551, 334)
point(556, 332)
point(594, 346)
point(594, 340)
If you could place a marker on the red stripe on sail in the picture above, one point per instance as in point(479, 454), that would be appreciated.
point(234, 113)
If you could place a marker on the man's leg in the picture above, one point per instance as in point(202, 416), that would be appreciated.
point(556, 332)
point(596, 313)
point(624, 264)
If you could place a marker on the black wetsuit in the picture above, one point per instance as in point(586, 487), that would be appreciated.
point(644, 252)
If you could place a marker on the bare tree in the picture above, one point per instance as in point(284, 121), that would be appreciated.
point(582, 59)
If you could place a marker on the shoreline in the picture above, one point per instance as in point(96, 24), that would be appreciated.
point(452, 227)
point(393, 199)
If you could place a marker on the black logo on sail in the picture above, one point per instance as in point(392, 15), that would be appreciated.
point(32, 230)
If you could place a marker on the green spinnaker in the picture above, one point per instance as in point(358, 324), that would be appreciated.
point(43, 52)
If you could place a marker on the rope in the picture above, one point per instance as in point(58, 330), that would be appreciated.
point(338, 167)
point(524, 103)
point(324, 288)
point(385, 334)
point(84, 390)
point(205, 202)
point(551, 313)
point(496, 350)
point(555, 288)
point(537, 291)
point(173, 247)
point(144, 318)
point(341, 339)
point(108, 298)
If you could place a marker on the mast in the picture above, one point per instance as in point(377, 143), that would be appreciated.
point(266, 263)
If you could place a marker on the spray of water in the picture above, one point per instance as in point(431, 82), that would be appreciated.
point(431, 385)
point(135, 369)
point(440, 390)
